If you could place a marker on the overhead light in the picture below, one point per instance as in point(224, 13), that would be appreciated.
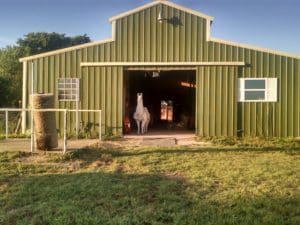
point(160, 17)
point(186, 84)
point(155, 74)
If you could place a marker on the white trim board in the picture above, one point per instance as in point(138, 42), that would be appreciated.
point(160, 68)
point(251, 47)
point(102, 64)
point(76, 47)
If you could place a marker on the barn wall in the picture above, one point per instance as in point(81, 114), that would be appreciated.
point(216, 101)
point(281, 118)
point(141, 38)
point(100, 88)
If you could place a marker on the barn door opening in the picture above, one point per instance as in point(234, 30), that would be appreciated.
point(169, 96)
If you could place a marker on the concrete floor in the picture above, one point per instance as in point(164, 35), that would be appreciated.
point(164, 138)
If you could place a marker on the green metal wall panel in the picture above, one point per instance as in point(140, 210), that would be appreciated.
point(216, 101)
point(100, 88)
point(140, 37)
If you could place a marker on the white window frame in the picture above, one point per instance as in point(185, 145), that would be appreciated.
point(271, 87)
point(68, 84)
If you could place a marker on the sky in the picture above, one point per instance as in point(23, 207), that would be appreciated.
point(271, 24)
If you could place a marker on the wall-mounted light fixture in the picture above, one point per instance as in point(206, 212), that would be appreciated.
point(160, 17)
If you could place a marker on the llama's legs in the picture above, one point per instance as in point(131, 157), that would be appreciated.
point(138, 126)
point(146, 126)
point(144, 129)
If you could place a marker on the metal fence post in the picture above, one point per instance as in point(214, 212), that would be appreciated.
point(65, 131)
point(32, 131)
point(6, 124)
point(100, 125)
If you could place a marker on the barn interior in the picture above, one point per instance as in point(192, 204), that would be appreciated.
point(168, 95)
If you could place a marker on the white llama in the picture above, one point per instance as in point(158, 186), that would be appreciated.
point(141, 115)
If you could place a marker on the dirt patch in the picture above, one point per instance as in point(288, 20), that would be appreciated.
point(175, 176)
point(24, 145)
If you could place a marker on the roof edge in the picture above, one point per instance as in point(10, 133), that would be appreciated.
point(167, 3)
point(63, 50)
point(255, 48)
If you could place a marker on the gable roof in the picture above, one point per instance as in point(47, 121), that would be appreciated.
point(170, 4)
point(164, 2)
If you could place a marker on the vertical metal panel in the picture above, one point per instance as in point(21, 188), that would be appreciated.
point(216, 101)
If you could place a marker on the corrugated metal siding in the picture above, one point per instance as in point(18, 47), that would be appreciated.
point(279, 119)
point(216, 101)
point(100, 88)
point(139, 37)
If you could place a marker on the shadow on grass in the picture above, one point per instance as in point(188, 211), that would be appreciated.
point(9, 156)
point(91, 154)
point(114, 198)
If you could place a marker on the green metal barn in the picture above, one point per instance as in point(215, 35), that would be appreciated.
point(166, 51)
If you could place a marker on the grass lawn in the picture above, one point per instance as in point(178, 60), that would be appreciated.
point(151, 186)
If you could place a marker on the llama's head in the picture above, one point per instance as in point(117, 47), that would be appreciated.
point(139, 97)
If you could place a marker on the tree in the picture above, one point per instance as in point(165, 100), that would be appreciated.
point(35, 43)
point(4, 91)
point(11, 76)
point(31, 44)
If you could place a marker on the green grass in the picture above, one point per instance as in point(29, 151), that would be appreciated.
point(151, 186)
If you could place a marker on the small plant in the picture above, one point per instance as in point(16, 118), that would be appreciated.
point(226, 141)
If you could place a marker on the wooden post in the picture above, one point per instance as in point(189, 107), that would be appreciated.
point(32, 122)
point(24, 97)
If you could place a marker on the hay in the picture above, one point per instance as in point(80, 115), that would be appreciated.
point(44, 122)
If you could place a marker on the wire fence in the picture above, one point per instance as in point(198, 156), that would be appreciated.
point(10, 115)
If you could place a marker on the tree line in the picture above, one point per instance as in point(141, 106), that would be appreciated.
point(30, 44)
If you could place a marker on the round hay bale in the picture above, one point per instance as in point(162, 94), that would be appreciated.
point(44, 122)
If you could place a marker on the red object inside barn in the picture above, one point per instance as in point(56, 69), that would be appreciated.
point(127, 125)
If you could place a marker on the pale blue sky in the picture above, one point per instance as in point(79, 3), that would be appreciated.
point(266, 23)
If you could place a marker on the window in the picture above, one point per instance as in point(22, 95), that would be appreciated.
point(68, 89)
point(258, 90)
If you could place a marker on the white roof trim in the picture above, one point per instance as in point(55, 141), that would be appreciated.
point(171, 4)
point(251, 47)
point(102, 64)
point(63, 50)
